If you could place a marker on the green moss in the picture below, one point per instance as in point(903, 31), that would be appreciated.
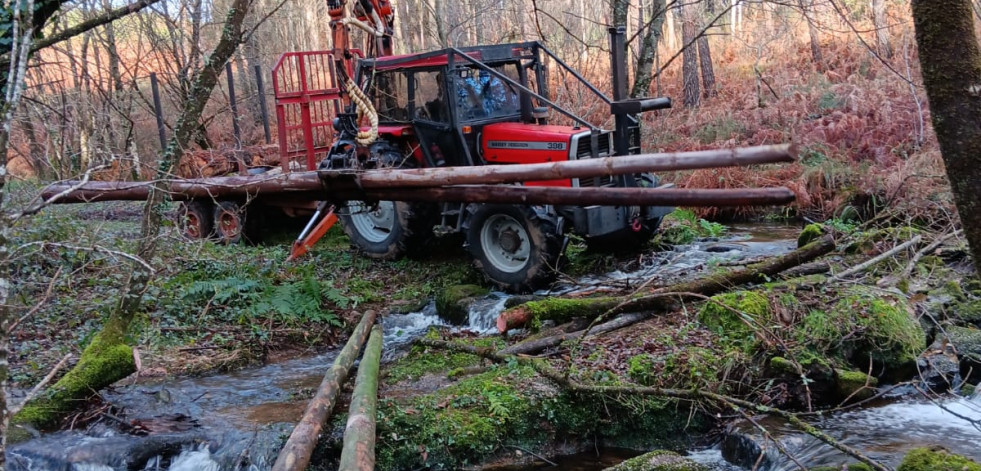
point(865, 324)
point(810, 233)
point(561, 309)
point(453, 302)
point(855, 385)
point(422, 361)
point(102, 364)
point(659, 460)
point(782, 365)
point(936, 459)
point(737, 315)
point(464, 423)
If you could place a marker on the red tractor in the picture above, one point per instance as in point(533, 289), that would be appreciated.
point(487, 105)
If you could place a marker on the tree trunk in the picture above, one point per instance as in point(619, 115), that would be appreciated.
point(358, 453)
point(689, 68)
point(107, 358)
point(643, 74)
point(295, 455)
point(809, 11)
point(882, 37)
point(705, 63)
point(560, 309)
point(950, 60)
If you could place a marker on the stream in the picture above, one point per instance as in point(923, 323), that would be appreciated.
point(237, 421)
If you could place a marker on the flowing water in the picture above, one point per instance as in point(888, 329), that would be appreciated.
point(236, 421)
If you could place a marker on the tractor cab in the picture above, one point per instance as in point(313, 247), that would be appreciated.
point(446, 99)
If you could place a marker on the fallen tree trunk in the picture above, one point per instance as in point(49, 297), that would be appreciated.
point(659, 300)
point(358, 453)
point(295, 455)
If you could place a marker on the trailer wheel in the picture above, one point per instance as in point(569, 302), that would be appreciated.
point(230, 222)
point(195, 219)
point(514, 246)
point(387, 230)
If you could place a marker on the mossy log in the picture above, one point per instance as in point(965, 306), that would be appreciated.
point(296, 453)
point(358, 453)
point(106, 360)
point(562, 309)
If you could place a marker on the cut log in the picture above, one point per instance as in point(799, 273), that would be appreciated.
point(659, 300)
point(379, 184)
point(295, 455)
point(358, 453)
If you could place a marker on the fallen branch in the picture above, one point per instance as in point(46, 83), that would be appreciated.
point(295, 455)
point(874, 260)
point(562, 309)
point(542, 368)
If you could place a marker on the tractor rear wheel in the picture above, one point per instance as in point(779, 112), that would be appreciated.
point(387, 230)
point(195, 219)
point(516, 247)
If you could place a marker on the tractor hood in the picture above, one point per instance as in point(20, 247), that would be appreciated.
point(526, 143)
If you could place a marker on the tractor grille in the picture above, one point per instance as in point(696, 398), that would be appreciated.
point(583, 152)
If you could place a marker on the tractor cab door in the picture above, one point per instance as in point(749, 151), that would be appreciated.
point(435, 121)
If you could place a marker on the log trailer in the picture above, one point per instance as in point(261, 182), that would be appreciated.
point(435, 132)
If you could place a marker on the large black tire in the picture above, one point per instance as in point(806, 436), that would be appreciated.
point(387, 230)
point(229, 221)
point(195, 219)
point(515, 247)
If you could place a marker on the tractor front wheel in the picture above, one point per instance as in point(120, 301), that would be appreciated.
point(516, 247)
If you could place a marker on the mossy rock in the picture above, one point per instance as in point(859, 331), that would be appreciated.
point(855, 385)
point(731, 315)
point(936, 459)
point(865, 324)
point(851, 467)
point(810, 233)
point(967, 341)
point(453, 302)
point(466, 422)
point(659, 460)
point(867, 241)
point(967, 312)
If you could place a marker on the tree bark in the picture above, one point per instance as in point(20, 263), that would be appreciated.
point(295, 455)
point(882, 37)
point(564, 309)
point(358, 453)
point(950, 60)
point(643, 73)
point(689, 67)
point(705, 63)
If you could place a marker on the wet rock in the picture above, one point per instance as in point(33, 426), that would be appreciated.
point(66, 452)
point(939, 366)
point(741, 447)
point(936, 459)
point(967, 343)
point(724, 248)
point(453, 303)
point(658, 460)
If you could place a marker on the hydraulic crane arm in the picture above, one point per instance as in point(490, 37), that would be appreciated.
point(374, 17)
